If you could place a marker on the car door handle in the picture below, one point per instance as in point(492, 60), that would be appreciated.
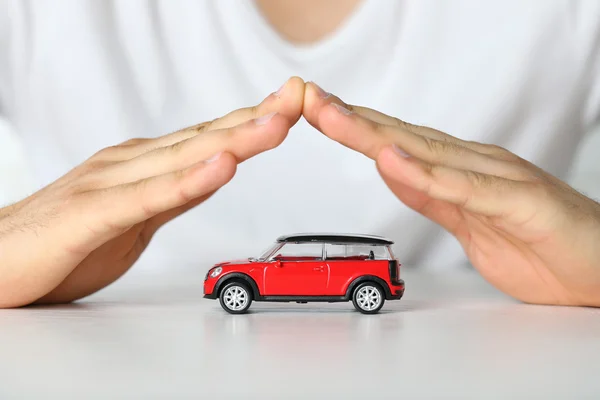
point(318, 269)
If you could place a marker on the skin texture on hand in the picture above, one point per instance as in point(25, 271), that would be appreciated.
point(529, 234)
point(84, 231)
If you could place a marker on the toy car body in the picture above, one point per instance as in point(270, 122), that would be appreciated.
point(311, 267)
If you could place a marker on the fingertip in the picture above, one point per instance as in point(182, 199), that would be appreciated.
point(273, 120)
point(333, 120)
point(386, 158)
point(393, 164)
point(314, 99)
point(266, 135)
point(224, 163)
point(272, 123)
point(215, 171)
point(276, 130)
point(296, 83)
point(229, 165)
point(288, 99)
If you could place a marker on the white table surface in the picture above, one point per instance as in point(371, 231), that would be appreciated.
point(153, 336)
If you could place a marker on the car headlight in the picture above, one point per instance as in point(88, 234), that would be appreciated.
point(215, 272)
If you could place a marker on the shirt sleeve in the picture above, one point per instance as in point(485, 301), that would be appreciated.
point(589, 39)
point(585, 172)
point(5, 27)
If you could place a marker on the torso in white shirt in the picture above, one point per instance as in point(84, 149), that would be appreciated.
point(82, 75)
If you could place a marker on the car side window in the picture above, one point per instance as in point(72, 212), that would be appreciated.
point(335, 251)
point(355, 252)
point(300, 252)
point(366, 252)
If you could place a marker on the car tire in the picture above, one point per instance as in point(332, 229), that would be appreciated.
point(368, 298)
point(236, 297)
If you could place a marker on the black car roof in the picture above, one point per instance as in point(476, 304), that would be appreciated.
point(335, 238)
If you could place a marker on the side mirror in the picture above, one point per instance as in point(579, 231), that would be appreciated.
point(277, 263)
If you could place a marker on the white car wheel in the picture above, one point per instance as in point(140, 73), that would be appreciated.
point(368, 298)
point(235, 298)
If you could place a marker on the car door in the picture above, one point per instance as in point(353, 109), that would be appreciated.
point(297, 270)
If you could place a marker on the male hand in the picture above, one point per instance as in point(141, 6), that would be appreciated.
point(85, 230)
point(528, 233)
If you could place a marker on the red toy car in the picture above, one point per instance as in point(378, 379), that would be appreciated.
point(311, 267)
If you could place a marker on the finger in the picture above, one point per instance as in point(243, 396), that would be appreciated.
point(243, 141)
point(471, 191)
point(154, 223)
point(369, 137)
point(111, 211)
point(515, 167)
point(287, 102)
point(443, 213)
point(316, 99)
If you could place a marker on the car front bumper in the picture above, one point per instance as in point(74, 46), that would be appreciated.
point(209, 290)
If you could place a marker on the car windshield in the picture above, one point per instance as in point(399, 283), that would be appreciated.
point(269, 251)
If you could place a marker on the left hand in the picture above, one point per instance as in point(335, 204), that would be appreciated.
point(529, 234)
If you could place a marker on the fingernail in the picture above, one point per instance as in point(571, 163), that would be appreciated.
point(322, 93)
point(341, 109)
point(213, 158)
point(264, 119)
point(400, 152)
point(279, 91)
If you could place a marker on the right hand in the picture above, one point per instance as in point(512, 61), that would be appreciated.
point(84, 231)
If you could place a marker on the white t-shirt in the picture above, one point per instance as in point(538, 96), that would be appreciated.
point(79, 75)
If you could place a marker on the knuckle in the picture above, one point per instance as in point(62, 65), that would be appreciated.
point(438, 149)
point(533, 175)
point(525, 174)
point(74, 188)
point(228, 134)
point(106, 152)
point(497, 149)
point(541, 191)
point(405, 125)
point(431, 170)
point(254, 111)
point(183, 196)
point(89, 167)
point(273, 141)
point(133, 142)
point(180, 175)
point(95, 165)
point(477, 180)
point(501, 153)
point(175, 149)
point(377, 127)
point(399, 123)
point(203, 127)
point(141, 188)
point(539, 195)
